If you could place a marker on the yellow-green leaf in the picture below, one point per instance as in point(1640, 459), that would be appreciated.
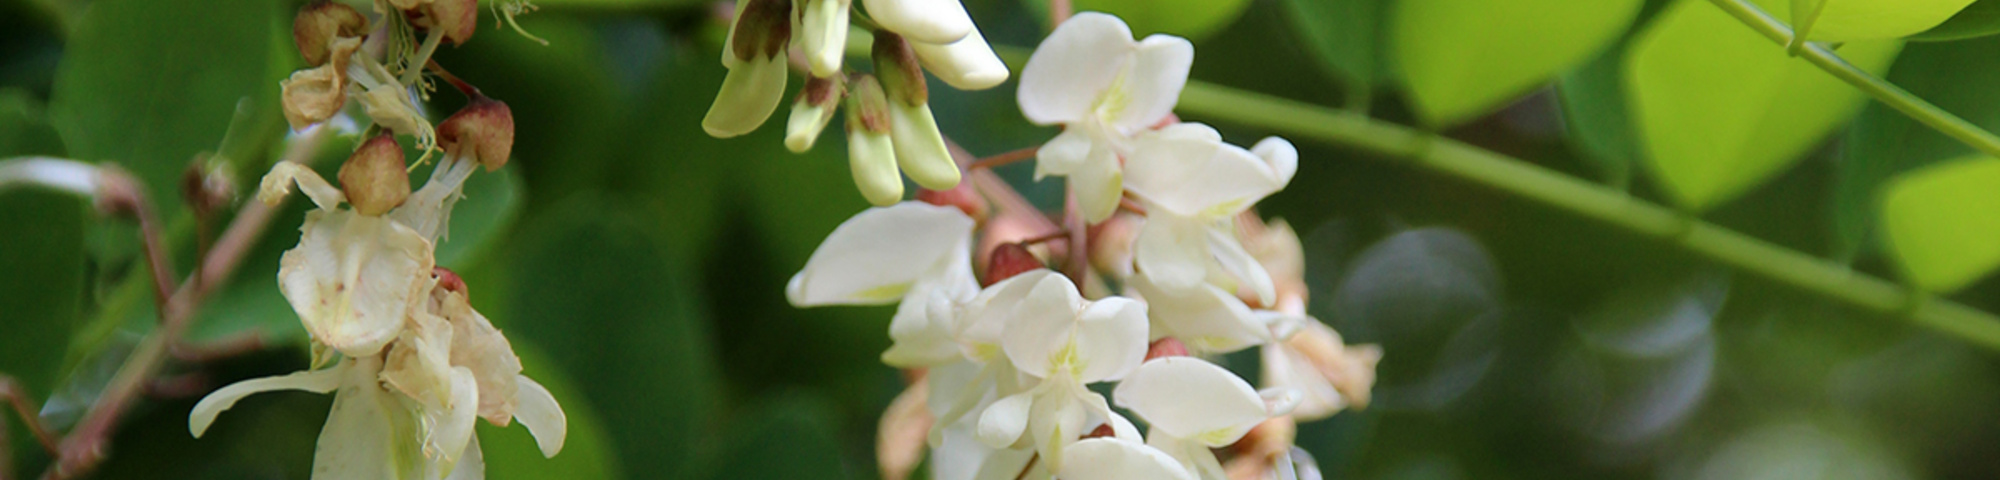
point(1943, 222)
point(1850, 20)
point(1721, 108)
point(1464, 58)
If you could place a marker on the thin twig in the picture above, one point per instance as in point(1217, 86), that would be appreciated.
point(1030, 466)
point(79, 452)
point(1059, 11)
point(121, 194)
point(1003, 159)
point(11, 392)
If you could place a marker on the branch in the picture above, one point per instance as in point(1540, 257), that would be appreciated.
point(1883, 91)
point(85, 446)
point(1617, 209)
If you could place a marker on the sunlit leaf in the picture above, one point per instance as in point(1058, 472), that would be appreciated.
point(1941, 221)
point(1193, 19)
point(1884, 142)
point(1721, 108)
point(145, 85)
point(1851, 20)
point(1464, 58)
point(1979, 20)
point(1600, 124)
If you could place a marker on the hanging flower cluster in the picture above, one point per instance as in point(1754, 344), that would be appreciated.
point(891, 131)
point(1007, 363)
point(411, 364)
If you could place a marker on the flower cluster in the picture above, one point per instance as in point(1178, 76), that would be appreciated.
point(891, 131)
point(1008, 362)
point(412, 364)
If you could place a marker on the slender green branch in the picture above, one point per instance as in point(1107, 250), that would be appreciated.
point(1883, 91)
point(1521, 178)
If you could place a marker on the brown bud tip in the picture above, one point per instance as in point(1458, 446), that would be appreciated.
point(318, 23)
point(206, 189)
point(867, 106)
point(374, 178)
point(961, 197)
point(483, 129)
point(896, 63)
point(820, 91)
point(1010, 259)
point(763, 30)
point(1102, 430)
point(449, 280)
point(1166, 347)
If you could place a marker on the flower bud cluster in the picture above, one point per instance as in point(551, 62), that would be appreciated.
point(416, 363)
point(890, 127)
point(1008, 361)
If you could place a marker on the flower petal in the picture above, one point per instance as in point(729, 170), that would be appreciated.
point(1172, 252)
point(1207, 319)
point(1230, 255)
point(1064, 154)
point(875, 257)
point(1153, 86)
point(1280, 400)
point(927, 21)
point(353, 277)
point(1110, 338)
point(1038, 334)
point(920, 149)
point(316, 381)
point(963, 457)
point(1280, 155)
point(1098, 183)
point(544, 418)
point(1187, 170)
point(967, 64)
point(471, 464)
point(1113, 459)
point(451, 428)
point(749, 94)
point(1189, 398)
point(368, 434)
point(1000, 426)
point(1072, 68)
point(986, 316)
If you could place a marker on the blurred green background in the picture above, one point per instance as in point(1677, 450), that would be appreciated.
point(638, 265)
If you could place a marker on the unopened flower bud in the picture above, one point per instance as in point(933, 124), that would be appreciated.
point(968, 64)
point(449, 280)
point(374, 178)
point(815, 107)
point(919, 147)
point(823, 33)
point(1111, 244)
point(320, 23)
point(484, 130)
point(1008, 260)
point(961, 197)
point(757, 69)
point(870, 152)
point(458, 19)
point(1166, 347)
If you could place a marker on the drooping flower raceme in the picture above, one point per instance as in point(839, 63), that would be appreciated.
point(1104, 88)
point(1003, 372)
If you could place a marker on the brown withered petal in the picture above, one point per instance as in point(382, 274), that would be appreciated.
point(313, 95)
point(483, 129)
point(320, 23)
point(458, 18)
point(374, 178)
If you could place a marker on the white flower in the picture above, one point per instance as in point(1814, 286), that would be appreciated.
point(1064, 342)
point(1193, 405)
point(353, 277)
point(1103, 87)
point(913, 252)
point(1329, 375)
point(1208, 319)
point(1194, 186)
point(1118, 459)
point(412, 415)
point(929, 21)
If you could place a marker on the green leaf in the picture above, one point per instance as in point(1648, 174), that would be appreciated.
point(1193, 19)
point(1805, 13)
point(1343, 35)
point(1464, 58)
point(587, 453)
point(1941, 222)
point(145, 85)
point(604, 299)
point(1979, 20)
point(1721, 108)
point(1851, 20)
point(1600, 124)
point(791, 437)
point(1883, 142)
point(42, 247)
